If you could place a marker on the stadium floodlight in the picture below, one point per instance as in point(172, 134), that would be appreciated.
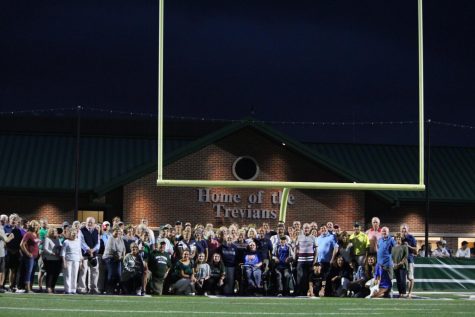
point(287, 186)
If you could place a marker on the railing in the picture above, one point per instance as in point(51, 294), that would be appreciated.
point(444, 274)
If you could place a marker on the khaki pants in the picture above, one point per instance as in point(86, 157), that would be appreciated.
point(88, 277)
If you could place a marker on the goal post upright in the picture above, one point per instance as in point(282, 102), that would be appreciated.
point(284, 185)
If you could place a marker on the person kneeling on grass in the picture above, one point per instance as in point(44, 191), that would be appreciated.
point(217, 275)
point(132, 272)
point(159, 264)
point(381, 284)
point(316, 285)
point(186, 278)
point(340, 276)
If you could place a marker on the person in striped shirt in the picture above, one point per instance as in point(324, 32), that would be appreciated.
point(305, 251)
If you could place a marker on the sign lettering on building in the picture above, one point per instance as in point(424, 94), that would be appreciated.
point(224, 204)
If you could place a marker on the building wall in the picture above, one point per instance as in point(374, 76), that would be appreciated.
point(143, 199)
point(53, 206)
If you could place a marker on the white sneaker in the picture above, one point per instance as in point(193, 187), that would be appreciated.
point(20, 291)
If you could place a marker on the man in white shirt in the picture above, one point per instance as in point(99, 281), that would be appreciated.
point(440, 251)
point(464, 251)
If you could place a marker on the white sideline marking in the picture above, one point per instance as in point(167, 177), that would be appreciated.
point(178, 311)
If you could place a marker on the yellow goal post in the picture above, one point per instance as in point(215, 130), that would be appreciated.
point(287, 186)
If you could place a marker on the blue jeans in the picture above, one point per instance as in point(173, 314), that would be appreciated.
point(114, 272)
point(254, 275)
point(28, 265)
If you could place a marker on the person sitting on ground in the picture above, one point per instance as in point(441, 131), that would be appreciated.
point(340, 276)
point(382, 280)
point(202, 274)
point(316, 283)
point(370, 271)
point(217, 275)
point(185, 278)
point(359, 279)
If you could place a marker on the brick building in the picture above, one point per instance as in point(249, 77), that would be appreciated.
point(118, 177)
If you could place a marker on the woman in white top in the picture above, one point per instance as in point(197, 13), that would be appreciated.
point(51, 258)
point(71, 253)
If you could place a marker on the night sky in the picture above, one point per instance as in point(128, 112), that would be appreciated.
point(284, 61)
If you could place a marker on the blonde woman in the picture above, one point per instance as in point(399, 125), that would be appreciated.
point(71, 254)
point(52, 259)
point(29, 247)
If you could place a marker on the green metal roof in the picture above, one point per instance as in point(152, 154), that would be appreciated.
point(46, 162)
point(452, 169)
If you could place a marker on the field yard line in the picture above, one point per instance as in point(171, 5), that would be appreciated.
point(394, 308)
point(177, 311)
point(166, 301)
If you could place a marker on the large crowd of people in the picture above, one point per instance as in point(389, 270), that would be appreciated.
point(295, 260)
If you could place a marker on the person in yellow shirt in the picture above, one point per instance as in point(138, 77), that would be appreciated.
point(360, 243)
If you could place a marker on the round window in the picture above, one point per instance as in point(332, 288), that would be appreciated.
point(245, 168)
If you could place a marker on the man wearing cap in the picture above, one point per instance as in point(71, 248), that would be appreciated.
point(360, 244)
point(411, 242)
point(159, 263)
point(440, 251)
point(275, 239)
point(163, 237)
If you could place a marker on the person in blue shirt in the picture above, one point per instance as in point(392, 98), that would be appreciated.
point(327, 248)
point(252, 264)
point(384, 259)
point(283, 254)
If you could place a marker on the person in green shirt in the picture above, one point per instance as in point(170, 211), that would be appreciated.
point(360, 243)
point(159, 263)
point(400, 254)
point(42, 233)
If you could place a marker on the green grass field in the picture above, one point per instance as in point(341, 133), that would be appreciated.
point(44, 305)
